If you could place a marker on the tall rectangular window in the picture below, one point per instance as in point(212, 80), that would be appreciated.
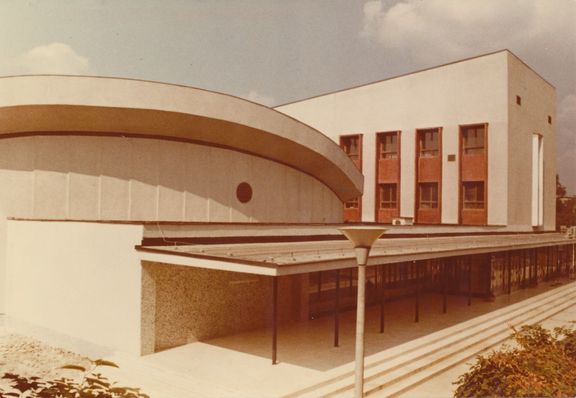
point(428, 142)
point(473, 194)
point(351, 145)
point(428, 195)
point(537, 180)
point(388, 196)
point(388, 144)
point(473, 139)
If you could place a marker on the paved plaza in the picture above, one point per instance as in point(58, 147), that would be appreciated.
point(240, 365)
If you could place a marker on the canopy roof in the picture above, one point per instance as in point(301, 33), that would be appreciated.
point(287, 258)
point(81, 105)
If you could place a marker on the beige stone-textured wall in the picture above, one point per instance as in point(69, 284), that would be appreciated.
point(80, 279)
point(467, 92)
point(184, 304)
point(115, 178)
point(538, 101)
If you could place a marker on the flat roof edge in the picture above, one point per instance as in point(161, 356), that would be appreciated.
point(412, 73)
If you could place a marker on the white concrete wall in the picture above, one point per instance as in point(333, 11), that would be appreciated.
point(81, 279)
point(127, 179)
point(472, 91)
point(113, 178)
point(531, 117)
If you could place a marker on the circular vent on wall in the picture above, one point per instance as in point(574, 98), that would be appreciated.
point(244, 192)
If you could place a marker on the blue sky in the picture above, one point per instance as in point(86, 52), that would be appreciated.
point(274, 52)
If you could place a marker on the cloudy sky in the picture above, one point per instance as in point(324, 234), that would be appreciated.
point(277, 51)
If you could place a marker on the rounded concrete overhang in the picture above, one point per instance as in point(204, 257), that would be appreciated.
point(81, 105)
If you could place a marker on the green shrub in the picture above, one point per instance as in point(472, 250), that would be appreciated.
point(543, 364)
point(90, 384)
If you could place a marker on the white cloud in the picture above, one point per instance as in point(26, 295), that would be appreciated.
point(373, 13)
point(54, 58)
point(434, 30)
point(259, 98)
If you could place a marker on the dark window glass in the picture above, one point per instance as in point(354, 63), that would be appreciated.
point(388, 145)
point(352, 204)
point(473, 140)
point(428, 142)
point(473, 194)
point(428, 195)
point(351, 145)
point(388, 198)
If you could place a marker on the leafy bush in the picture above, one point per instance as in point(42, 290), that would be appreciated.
point(543, 364)
point(90, 385)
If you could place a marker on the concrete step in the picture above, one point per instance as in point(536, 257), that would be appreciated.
point(429, 366)
point(441, 349)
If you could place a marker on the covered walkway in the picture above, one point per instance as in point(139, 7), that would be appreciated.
point(306, 354)
point(248, 286)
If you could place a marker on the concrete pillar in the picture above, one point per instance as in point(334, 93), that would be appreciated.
point(361, 303)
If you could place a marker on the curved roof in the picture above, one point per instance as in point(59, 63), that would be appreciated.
point(53, 104)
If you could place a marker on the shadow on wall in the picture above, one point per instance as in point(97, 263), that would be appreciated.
point(181, 304)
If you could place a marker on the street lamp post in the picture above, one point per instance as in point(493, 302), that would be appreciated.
point(363, 238)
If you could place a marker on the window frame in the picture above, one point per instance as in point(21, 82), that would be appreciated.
point(392, 200)
point(343, 145)
point(432, 202)
point(382, 139)
point(352, 203)
point(479, 202)
point(424, 152)
point(357, 158)
point(468, 150)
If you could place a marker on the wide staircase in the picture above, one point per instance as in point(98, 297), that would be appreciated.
point(403, 367)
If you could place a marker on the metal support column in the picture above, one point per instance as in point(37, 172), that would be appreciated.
point(274, 319)
point(536, 270)
point(573, 268)
point(350, 278)
point(469, 283)
point(417, 271)
point(531, 267)
point(509, 276)
point(337, 311)
point(523, 269)
point(443, 278)
point(557, 260)
point(547, 263)
point(382, 296)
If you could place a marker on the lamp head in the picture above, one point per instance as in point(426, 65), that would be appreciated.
point(363, 238)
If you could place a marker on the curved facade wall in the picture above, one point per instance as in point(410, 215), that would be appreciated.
point(80, 105)
point(136, 179)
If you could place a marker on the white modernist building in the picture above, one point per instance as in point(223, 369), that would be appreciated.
point(471, 142)
point(142, 216)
